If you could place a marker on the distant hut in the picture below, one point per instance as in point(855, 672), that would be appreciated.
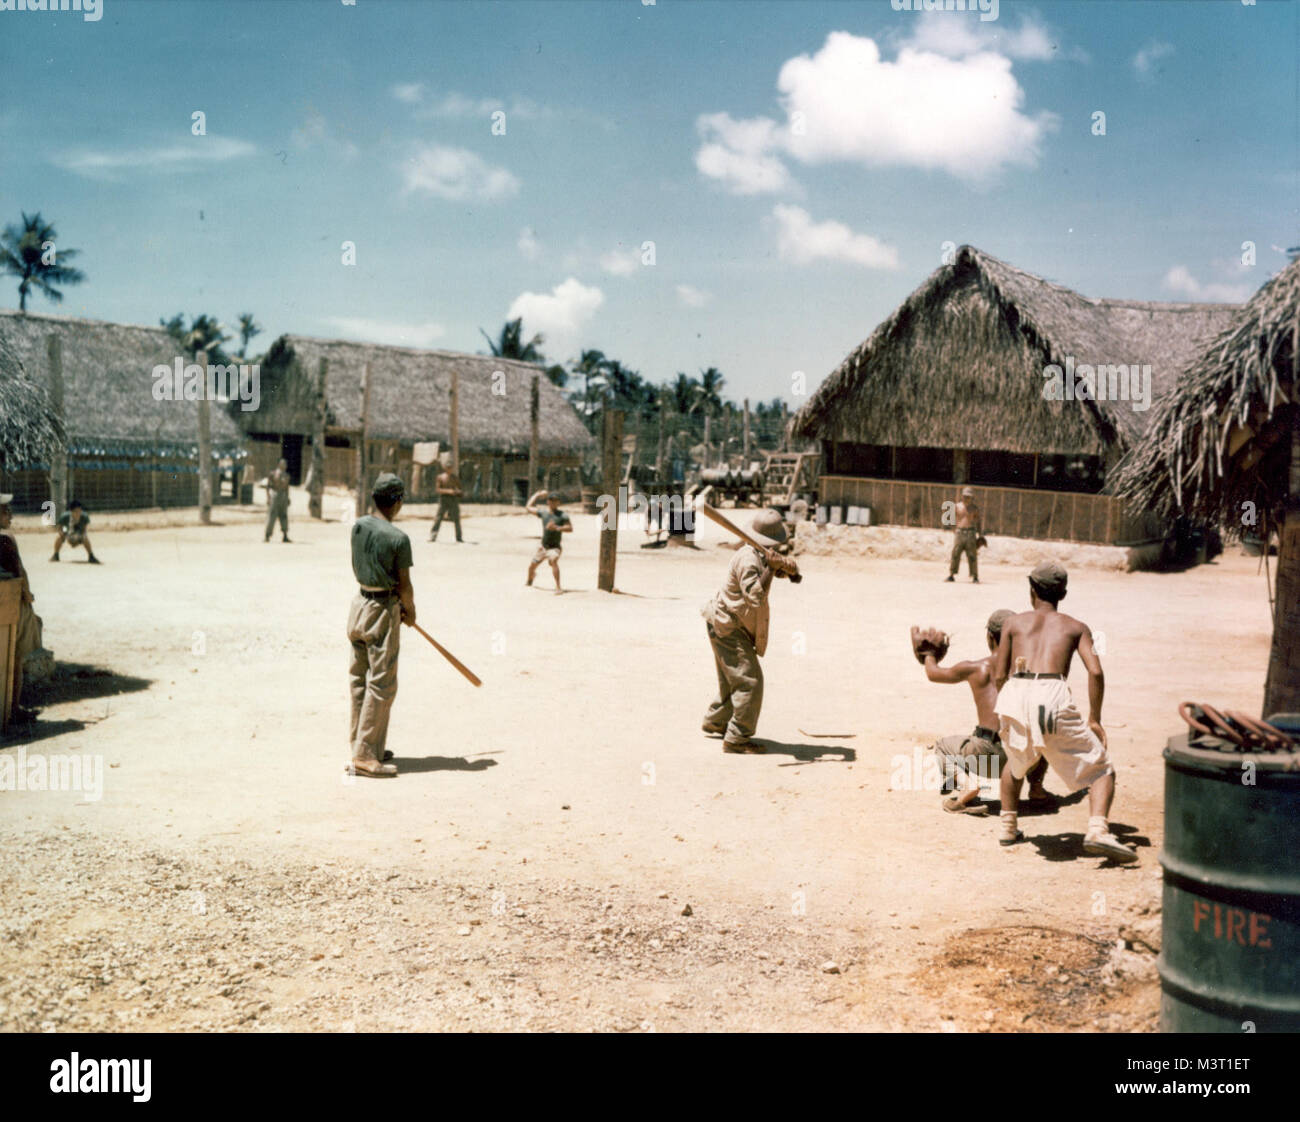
point(950, 390)
point(410, 403)
point(126, 449)
point(29, 430)
point(1226, 447)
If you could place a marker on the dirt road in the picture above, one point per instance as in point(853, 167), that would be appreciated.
point(563, 847)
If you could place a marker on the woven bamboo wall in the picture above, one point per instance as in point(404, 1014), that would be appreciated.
point(1010, 511)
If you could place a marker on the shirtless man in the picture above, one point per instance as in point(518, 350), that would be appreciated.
point(449, 492)
point(277, 494)
point(966, 758)
point(966, 536)
point(1038, 716)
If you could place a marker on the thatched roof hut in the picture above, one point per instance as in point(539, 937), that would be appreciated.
point(1223, 439)
point(410, 393)
point(959, 364)
point(29, 430)
point(1226, 446)
point(108, 402)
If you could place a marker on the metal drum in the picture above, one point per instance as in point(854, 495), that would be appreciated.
point(1230, 944)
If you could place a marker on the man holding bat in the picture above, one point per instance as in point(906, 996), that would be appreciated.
point(381, 563)
point(737, 622)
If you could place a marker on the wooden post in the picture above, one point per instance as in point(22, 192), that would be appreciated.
point(316, 490)
point(534, 407)
point(785, 427)
point(707, 419)
point(59, 455)
point(611, 472)
point(363, 445)
point(205, 445)
point(745, 454)
point(659, 452)
point(453, 423)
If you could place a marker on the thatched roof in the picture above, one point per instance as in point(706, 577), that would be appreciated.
point(959, 364)
point(29, 431)
point(108, 402)
point(1224, 437)
point(410, 396)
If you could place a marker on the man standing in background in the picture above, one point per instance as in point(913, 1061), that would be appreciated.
point(449, 492)
point(966, 536)
point(277, 493)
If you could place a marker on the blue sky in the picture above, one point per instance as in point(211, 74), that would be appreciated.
point(797, 165)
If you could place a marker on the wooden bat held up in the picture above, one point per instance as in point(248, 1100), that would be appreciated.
point(470, 676)
point(783, 566)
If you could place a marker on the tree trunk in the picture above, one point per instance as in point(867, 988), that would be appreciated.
point(1282, 687)
point(316, 489)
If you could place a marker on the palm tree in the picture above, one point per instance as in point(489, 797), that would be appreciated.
point(557, 374)
point(510, 343)
point(248, 327)
point(711, 383)
point(686, 393)
point(205, 333)
point(29, 251)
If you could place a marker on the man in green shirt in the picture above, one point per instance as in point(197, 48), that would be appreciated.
point(555, 523)
point(381, 563)
point(72, 529)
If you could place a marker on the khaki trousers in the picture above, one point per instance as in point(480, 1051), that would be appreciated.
point(447, 508)
point(740, 685)
point(26, 639)
point(279, 511)
point(964, 542)
point(375, 632)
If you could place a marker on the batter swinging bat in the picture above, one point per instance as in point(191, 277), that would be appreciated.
point(470, 676)
point(782, 565)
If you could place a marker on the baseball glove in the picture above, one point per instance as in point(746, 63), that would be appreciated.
point(929, 641)
point(981, 542)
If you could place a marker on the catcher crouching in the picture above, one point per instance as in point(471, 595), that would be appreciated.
point(964, 760)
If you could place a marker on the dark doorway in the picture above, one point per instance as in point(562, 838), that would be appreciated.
point(291, 453)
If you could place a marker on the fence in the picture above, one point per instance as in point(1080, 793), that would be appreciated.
point(1010, 511)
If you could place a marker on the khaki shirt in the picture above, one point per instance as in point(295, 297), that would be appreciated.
point(742, 599)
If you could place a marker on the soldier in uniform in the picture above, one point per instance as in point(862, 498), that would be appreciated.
point(28, 636)
point(737, 621)
point(277, 487)
point(966, 536)
point(381, 563)
point(449, 492)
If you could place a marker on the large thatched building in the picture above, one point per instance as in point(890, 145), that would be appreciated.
point(979, 378)
point(125, 447)
point(410, 403)
point(29, 430)
point(1226, 448)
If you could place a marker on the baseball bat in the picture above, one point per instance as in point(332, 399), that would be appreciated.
point(470, 676)
point(780, 563)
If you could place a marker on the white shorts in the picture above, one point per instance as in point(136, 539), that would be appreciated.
point(544, 554)
point(1039, 720)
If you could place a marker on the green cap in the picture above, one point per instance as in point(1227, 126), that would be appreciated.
point(996, 620)
point(1049, 576)
point(388, 489)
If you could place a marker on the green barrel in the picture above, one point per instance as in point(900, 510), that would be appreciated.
point(1230, 943)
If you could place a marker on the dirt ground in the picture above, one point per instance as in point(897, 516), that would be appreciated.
point(563, 848)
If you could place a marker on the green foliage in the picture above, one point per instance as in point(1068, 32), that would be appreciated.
point(30, 252)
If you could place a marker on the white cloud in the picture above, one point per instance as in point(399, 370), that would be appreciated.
point(621, 262)
point(692, 297)
point(528, 244)
point(386, 332)
point(458, 174)
point(560, 315)
point(168, 158)
point(316, 131)
point(1180, 279)
point(1144, 61)
point(953, 34)
point(802, 241)
point(847, 104)
point(410, 92)
point(739, 153)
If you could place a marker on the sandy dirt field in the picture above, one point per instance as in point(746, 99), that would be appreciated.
point(563, 848)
